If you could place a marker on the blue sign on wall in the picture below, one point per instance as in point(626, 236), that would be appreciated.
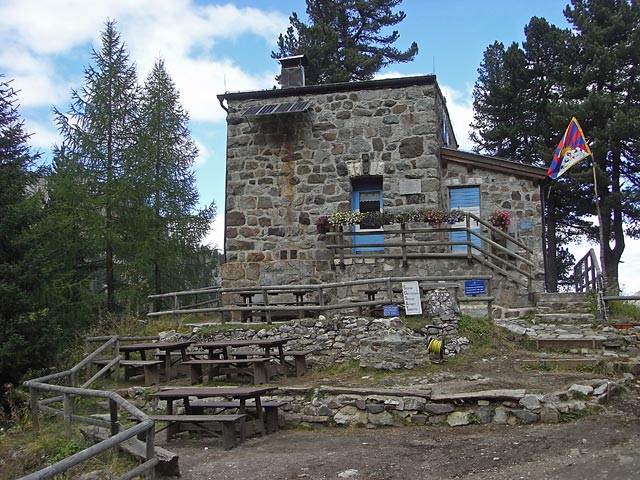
point(474, 287)
point(526, 226)
point(391, 310)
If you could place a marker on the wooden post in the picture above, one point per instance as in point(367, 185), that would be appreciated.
point(341, 246)
point(265, 296)
point(117, 366)
point(150, 451)
point(389, 292)
point(113, 413)
point(176, 305)
point(468, 220)
point(403, 236)
point(67, 403)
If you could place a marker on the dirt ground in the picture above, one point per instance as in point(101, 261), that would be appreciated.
point(603, 446)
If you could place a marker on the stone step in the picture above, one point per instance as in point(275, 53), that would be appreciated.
point(568, 343)
point(564, 318)
point(563, 302)
point(623, 365)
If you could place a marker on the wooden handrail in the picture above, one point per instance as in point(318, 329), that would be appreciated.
point(118, 434)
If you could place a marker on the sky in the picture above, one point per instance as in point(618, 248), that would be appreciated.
point(210, 47)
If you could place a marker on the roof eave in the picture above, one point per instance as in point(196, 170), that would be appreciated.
point(330, 88)
point(493, 163)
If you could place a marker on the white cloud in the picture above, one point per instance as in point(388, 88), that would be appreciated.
point(460, 107)
point(37, 34)
point(44, 135)
point(200, 81)
point(215, 237)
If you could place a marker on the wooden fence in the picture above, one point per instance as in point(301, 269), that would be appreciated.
point(65, 394)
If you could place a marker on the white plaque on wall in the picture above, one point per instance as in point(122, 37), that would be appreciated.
point(409, 186)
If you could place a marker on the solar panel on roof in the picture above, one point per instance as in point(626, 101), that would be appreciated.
point(267, 109)
point(300, 106)
point(253, 110)
point(276, 108)
point(283, 107)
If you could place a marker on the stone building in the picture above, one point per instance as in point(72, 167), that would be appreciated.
point(300, 152)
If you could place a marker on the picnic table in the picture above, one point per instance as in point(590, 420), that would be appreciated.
point(264, 350)
point(248, 300)
point(166, 347)
point(250, 418)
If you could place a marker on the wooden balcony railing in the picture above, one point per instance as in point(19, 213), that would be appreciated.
point(485, 244)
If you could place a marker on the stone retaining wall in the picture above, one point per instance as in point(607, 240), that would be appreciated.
point(372, 408)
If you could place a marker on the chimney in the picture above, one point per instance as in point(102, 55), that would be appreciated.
point(292, 72)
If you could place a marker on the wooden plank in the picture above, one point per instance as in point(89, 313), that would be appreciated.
point(482, 395)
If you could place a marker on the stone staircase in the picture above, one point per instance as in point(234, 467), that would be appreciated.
point(561, 322)
point(566, 307)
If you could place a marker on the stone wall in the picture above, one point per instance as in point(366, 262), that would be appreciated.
point(285, 171)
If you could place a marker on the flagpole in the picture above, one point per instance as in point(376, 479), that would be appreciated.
point(601, 230)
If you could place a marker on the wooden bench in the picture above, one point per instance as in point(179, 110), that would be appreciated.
point(270, 407)
point(150, 368)
point(232, 426)
point(238, 365)
point(299, 357)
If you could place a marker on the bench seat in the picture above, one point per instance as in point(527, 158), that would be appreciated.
point(270, 407)
point(238, 365)
point(229, 423)
point(150, 368)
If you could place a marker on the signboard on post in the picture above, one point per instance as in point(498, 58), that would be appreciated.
point(391, 310)
point(474, 287)
point(411, 295)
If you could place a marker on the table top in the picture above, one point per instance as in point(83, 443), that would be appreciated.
point(204, 392)
point(271, 342)
point(152, 345)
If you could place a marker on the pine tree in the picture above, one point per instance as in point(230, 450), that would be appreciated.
point(169, 227)
point(20, 208)
point(605, 82)
point(100, 133)
point(591, 73)
point(344, 39)
point(27, 337)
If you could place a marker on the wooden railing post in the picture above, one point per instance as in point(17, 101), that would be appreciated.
point(265, 296)
point(403, 236)
point(116, 373)
point(150, 452)
point(113, 414)
point(341, 246)
point(468, 226)
point(389, 292)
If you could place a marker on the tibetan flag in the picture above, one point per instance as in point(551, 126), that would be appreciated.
point(572, 149)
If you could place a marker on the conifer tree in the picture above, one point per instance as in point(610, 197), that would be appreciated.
point(99, 135)
point(345, 39)
point(26, 335)
point(590, 72)
point(169, 228)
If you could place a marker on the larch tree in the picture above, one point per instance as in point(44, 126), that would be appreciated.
point(170, 228)
point(345, 40)
point(99, 135)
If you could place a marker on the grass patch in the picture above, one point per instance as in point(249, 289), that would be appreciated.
point(480, 331)
point(23, 452)
point(585, 412)
point(602, 368)
point(417, 322)
point(620, 310)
